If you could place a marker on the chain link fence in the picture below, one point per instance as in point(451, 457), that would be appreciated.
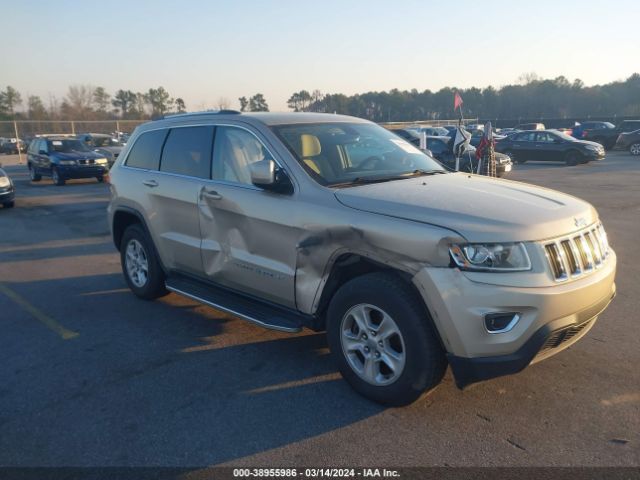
point(428, 123)
point(26, 129)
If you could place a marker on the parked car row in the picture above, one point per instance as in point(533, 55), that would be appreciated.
point(11, 146)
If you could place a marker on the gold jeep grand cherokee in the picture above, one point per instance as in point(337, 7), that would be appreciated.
point(334, 223)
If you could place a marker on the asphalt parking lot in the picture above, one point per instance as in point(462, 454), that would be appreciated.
point(92, 376)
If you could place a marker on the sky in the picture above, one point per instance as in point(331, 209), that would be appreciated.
point(203, 51)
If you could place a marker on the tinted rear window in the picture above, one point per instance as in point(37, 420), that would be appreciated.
point(145, 153)
point(187, 151)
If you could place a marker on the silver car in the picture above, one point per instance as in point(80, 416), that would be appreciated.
point(333, 223)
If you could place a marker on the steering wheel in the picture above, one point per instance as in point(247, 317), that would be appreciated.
point(374, 159)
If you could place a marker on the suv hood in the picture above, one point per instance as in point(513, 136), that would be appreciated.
point(481, 209)
point(76, 155)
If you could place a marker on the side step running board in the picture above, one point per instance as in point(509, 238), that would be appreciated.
point(261, 313)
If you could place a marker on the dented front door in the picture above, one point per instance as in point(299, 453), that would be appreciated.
point(248, 236)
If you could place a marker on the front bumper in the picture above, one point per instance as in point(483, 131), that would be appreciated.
point(82, 171)
point(458, 305)
point(592, 155)
point(7, 195)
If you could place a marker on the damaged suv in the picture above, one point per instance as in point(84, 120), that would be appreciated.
point(333, 223)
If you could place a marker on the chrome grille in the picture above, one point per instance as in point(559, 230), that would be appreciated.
point(579, 254)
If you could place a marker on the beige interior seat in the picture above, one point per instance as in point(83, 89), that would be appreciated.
point(311, 149)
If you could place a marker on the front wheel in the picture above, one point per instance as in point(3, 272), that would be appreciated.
point(56, 177)
point(383, 340)
point(140, 264)
point(635, 149)
point(514, 158)
point(35, 177)
point(572, 159)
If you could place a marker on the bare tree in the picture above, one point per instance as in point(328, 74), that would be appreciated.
point(223, 103)
point(244, 103)
point(77, 104)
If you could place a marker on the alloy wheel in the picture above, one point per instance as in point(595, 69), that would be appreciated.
point(372, 344)
point(136, 263)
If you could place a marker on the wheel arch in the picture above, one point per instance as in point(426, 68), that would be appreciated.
point(123, 218)
point(350, 265)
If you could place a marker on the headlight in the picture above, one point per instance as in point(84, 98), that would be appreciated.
point(67, 162)
point(491, 257)
point(101, 161)
point(4, 182)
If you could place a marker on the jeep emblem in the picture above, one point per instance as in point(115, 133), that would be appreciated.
point(580, 222)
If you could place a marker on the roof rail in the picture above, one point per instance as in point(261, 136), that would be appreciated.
point(206, 112)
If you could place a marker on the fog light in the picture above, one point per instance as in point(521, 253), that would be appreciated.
point(500, 322)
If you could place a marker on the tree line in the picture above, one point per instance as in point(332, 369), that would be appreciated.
point(85, 102)
point(531, 97)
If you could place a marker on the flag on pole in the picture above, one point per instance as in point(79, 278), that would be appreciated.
point(457, 101)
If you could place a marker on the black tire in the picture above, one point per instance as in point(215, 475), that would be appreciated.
point(572, 158)
point(154, 285)
point(424, 358)
point(100, 179)
point(10, 204)
point(514, 158)
point(35, 177)
point(56, 177)
point(634, 149)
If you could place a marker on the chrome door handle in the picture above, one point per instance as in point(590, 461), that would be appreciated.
point(211, 194)
point(150, 183)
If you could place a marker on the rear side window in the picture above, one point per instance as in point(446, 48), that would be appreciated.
point(145, 153)
point(187, 151)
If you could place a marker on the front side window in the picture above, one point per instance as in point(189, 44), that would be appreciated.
point(545, 137)
point(234, 151)
point(145, 153)
point(187, 151)
point(344, 153)
point(525, 137)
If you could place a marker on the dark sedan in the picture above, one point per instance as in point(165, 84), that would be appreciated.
point(64, 158)
point(629, 141)
point(442, 150)
point(104, 144)
point(549, 145)
point(7, 190)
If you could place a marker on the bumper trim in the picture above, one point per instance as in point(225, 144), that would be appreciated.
point(473, 370)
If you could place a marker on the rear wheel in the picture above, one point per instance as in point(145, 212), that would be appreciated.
point(56, 177)
point(634, 149)
point(35, 177)
point(140, 264)
point(383, 341)
point(572, 158)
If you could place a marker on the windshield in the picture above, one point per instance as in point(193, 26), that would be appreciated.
point(342, 153)
point(67, 146)
point(106, 142)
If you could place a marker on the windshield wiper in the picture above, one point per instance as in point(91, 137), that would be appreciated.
point(389, 178)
